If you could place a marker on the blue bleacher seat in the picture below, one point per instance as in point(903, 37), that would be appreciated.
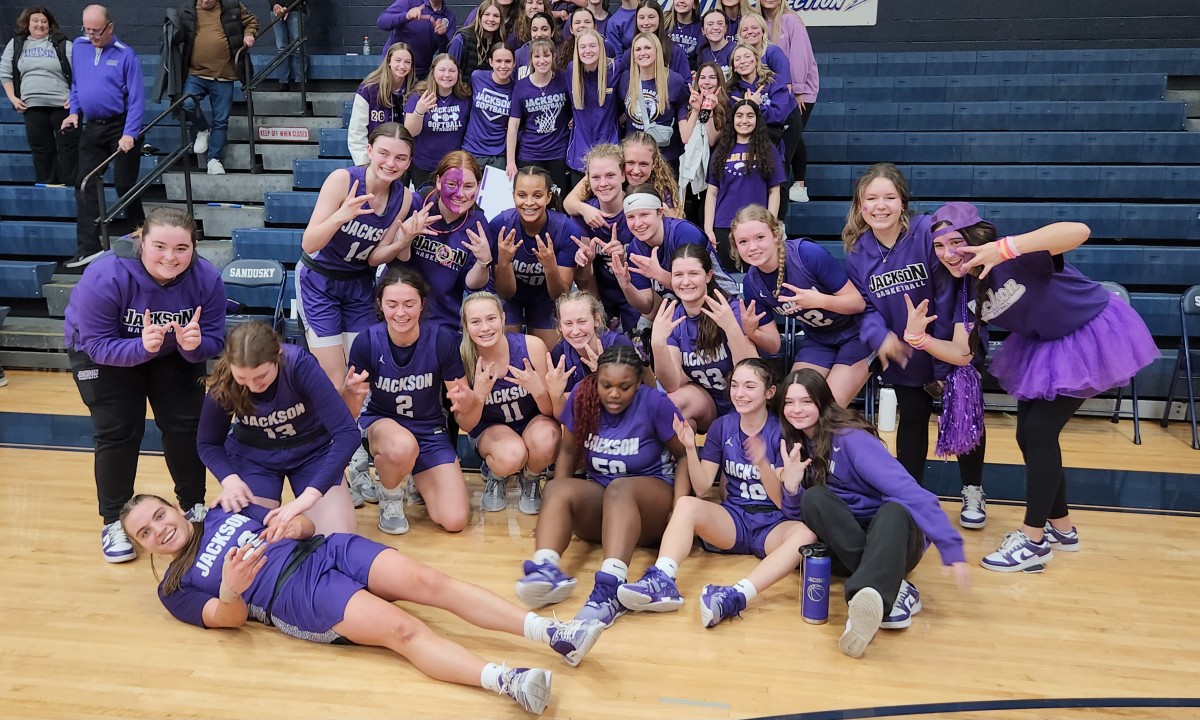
point(1067, 181)
point(1000, 62)
point(918, 89)
point(967, 88)
point(333, 142)
point(934, 147)
point(282, 244)
point(37, 238)
point(949, 62)
point(309, 173)
point(18, 168)
point(50, 202)
point(289, 208)
point(985, 147)
point(825, 146)
point(24, 278)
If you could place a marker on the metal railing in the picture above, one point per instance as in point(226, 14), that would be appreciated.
point(105, 217)
point(251, 82)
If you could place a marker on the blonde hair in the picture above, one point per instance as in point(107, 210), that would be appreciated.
point(461, 89)
point(603, 151)
point(762, 23)
point(775, 24)
point(633, 98)
point(577, 94)
point(856, 226)
point(758, 213)
point(381, 77)
point(661, 176)
point(583, 296)
point(670, 17)
point(467, 348)
point(764, 74)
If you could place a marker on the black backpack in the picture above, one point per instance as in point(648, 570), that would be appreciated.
point(60, 46)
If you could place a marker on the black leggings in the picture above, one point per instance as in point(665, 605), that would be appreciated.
point(915, 406)
point(560, 173)
point(1039, 423)
point(796, 156)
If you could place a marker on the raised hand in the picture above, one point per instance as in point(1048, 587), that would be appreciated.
point(419, 223)
point(756, 449)
point(894, 350)
point(152, 335)
point(557, 375)
point(589, 357)
point(545, 252)
point(241, 566)
point(665, 322)
point(620, 269)
point(981, 256)
point(460, 395)
point(427, 101)
point(650, 268)
point(486, 374)
point(917, 318)
point(587, 250)
point(718, 308)
point(355, 386)
point(685, 432)
point(795, 465)
point(189, 336)
point(751, 319)
point(803, 298)
point(477, 243)
point(592, 216)
point(505, 247)
point(527, 377)
point(614, 246)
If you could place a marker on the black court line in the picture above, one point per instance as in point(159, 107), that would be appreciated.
point(889, 711)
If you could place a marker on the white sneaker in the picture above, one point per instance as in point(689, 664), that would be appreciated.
point(798, 194)
point(530, 687)
point(197, 513)
point(201, 145)
point(391, 513)
point(115, 544)
point(362, 486)
point(974, 507)
point(865, 617)
point(215, 167)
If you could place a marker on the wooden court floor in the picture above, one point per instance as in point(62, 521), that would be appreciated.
point(83, 639)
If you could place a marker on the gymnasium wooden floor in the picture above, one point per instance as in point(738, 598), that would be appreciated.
point(83, 639)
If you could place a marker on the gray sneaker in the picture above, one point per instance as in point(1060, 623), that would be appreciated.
point(362, 486)
point(494, 492)
point(391, 515)
point(414, 495)
point(531, 494)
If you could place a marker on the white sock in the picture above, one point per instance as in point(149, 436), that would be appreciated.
point(616, 568)
point(667, 565)
point(545, 555)
point(746, 588)
point(489, 679)
point(537, 628)
point(396, 493)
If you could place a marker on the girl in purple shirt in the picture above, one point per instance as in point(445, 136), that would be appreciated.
point(697, 340)
point(541, 109)
point(1069, 339)
point(541, 27)
point(594, 104)
point(889, 255)
point(584, 337)
point(734, 11)
point(649, 19)
point(742, 449)
point(487, 133)
point(380, 99)
point(875, 519)
point(786, 31)
point(288, 421)
point(424, 25)
point(236, 567)
point(753, 32)
point(746, 170)
point(136, 331)
point(619, 432)
point(682, 21)
point(655, 97)
point(800, 279)
point(471, 43)
point(717, 47)
point(516, 435)
point(437, 111)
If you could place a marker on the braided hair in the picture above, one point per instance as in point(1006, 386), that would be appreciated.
point(758, 213)
point(585, 398)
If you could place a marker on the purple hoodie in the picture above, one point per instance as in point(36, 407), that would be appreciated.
point(419, 34)
point(105, 315)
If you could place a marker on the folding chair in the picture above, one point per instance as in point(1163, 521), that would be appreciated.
point(1123, 294)
point(253, 283)
point(1189, 310)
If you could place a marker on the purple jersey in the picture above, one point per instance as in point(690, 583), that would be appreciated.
point(487, 132)
point(563, 349)
point(632, 444)
point(593, 123)
point(725, 445)
point(741, 186)
point(864, 474)
point(611, 296)
point(676, 234)
point(1020, 291)
point(531, 276)
point(377, 113)
point(301, 410)
point(420, 34)
point(352, 243)
point(444, 261)
point(806, 265)
point(723, 57)
point(777, 100)
point(543, 112)
point(688, 36)
point(508, 403)
point(884, 276)
point(442, 129)
point(710, 369)
point(108, 307)
point(406, 382)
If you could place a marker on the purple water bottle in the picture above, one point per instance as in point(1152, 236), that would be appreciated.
point(814, 597)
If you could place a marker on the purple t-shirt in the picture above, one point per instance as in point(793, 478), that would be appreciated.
point(352, 243)
point(806, 265)
point(688, 36)
point(676, 234)
point(487, 132)
point(742, 186)
point(508, 403)
point(632, 444)
point(722, 57)
point(544, 113)
point(202, 581)
point(620, 28)
point(593, 123)
point(107, 309)
point(725, 445)
point(611, 296)
point(442, 129)
point(883, 276)
point(442, 258)
point(1041, 296)
point(406, 382)
point(301, 403)
point(377, 113)
point(563, 349)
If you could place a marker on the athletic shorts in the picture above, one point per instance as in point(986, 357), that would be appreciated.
point(824, 353)
point(330, 306)
point(434, 446)
point(264, 470)
point(751, 529)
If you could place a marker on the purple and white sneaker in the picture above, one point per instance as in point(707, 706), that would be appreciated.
point(908, 603)
point(115, 544)
point(655, 592)
point(1019, 553)
point(973, 515)
point(603, 605)
point(530, 687)
point(864, 618)
point(544, 584)
point(574, 638)
point(1065, 541)
point(720, 602)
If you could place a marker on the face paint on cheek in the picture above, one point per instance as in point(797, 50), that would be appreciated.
point(451, 183)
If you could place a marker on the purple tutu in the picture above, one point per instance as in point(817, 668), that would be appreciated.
point(1103, 354)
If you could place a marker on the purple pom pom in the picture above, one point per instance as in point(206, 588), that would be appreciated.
point(960, 426)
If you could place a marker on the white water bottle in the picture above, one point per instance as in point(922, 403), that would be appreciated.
point(366, 45)
point(887, 410)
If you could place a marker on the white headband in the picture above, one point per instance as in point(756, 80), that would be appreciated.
point(641, 201)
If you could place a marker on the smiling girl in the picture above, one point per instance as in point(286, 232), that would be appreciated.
point(437, 111)
point(541, 109)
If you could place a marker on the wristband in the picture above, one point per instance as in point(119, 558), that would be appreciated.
point(1007, 248)
point(917, 341)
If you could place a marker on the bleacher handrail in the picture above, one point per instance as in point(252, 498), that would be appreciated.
point(105, 216)
point(250, 82)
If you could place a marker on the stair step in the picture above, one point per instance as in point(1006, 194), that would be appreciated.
point(276, 157)
point(3, 314)
point(219, 221)
point(37, 239)
point(237, 125)
point(24, 278)
point(33, 334)
point(230, 188)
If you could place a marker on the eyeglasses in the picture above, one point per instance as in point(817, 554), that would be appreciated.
point(95, 33)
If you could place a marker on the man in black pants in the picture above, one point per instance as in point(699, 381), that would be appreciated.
point(107, 89)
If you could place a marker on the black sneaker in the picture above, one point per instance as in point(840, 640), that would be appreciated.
point(83, 259)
